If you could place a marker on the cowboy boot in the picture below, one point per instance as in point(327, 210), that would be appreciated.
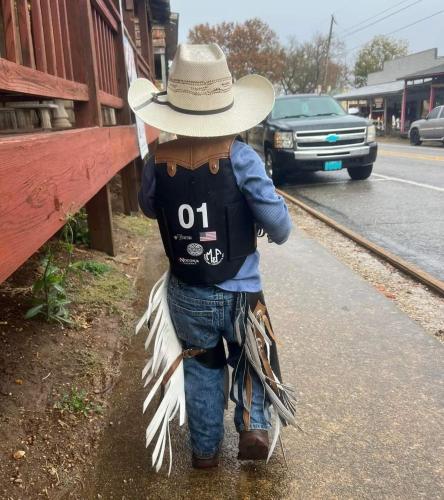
point(205, 463)
point(253, 445)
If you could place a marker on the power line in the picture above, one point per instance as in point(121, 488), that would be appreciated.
point(382, 18)
point(416, 22)
point(398, 29)
point(375, 15)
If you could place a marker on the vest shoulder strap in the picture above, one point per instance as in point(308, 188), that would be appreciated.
point(192, 153)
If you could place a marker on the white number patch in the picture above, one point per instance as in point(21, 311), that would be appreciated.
point(188, 210)
point(190, 216)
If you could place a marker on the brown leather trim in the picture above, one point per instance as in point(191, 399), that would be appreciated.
point(171, 167)
point(191, 152)
point(248, 384)
point(214, 166)
point(172, 369)
point(261, 314)
point(188, 353)
point(265, 363)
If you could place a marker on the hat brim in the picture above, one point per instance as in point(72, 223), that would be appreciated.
point(253, 100)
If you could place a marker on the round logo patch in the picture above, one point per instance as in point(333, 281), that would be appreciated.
point(213, 257)
point(195, 249)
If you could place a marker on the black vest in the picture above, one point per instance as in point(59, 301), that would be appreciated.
point(206, 225)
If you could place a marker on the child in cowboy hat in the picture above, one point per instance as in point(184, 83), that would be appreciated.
point(210, 193)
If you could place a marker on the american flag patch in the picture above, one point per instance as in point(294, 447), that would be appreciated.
point(208, 236)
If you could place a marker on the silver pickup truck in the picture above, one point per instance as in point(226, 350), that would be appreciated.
point(430, 128)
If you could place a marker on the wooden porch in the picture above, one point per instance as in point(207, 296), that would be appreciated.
point(56, 54)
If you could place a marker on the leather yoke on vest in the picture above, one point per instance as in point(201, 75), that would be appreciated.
point(206, 225)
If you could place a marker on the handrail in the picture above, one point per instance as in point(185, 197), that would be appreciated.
point(40, 46)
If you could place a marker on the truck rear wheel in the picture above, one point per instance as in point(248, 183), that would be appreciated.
point(360, 173)
point(272, 169)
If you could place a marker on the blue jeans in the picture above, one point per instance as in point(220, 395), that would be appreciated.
point(201, 315)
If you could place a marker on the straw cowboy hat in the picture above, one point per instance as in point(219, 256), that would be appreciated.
point(201, 99)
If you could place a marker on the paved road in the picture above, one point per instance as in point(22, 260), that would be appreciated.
point(370, 390)
point(400, 207)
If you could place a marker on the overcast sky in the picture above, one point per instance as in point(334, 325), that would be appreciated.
point(301, 19)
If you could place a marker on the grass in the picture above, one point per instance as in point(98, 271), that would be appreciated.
point(109, 289)
point(139, 225)
point(88, 361)
point(77, 401)
point(92, 266)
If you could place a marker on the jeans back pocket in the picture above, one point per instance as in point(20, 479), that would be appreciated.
point(195, 325)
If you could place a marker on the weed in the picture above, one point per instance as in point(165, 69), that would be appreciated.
point(92, 266)
point(50, 296)
point(77, 225)
point(49, 291)
point(77, 401)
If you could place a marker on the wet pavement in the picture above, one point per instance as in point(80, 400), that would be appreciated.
point(371, 399)
point(400, 207)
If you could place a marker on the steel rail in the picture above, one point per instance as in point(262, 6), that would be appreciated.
point(410, 269)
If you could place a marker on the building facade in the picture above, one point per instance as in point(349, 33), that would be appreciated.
point(406, 89)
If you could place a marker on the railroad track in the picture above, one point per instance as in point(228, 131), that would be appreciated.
point(408, 268)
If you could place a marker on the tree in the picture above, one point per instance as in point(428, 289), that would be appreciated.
point(372, 56)
point(305, 66)
point(250, 47)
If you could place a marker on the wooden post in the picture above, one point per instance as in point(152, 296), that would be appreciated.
point(385, 100)
point(89, 114)
point(100, 221)
point(11, 31)
point(129, 172)
point(129, 188)
point(432, 97)
point(403, 108)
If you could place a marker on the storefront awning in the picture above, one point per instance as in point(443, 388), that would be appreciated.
point(426, 73)
point(372, 90)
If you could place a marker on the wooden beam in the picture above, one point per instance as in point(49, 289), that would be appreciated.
point(129, 188)
point(144, 33)
point(48, 34)
point(100, 218)
point(84, 55)
point(111, 100)
point(18, 78)
point(106, 14)
point(38, 36)
point(58, 41)
point(41, 183)
point(98, 49)
point(66, 40)
point(98, 208)
point(11, 31)
point(25, 33)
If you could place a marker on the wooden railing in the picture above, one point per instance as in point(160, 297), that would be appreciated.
point(65, 49)
point(42, 35)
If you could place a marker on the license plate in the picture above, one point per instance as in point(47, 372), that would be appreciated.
point(333, 165)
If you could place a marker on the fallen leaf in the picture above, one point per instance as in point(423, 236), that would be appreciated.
point(19, 454)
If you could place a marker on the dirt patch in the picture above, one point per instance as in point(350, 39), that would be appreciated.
point(55, 380)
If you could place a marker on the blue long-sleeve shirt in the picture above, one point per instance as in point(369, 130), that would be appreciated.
point(268, 208)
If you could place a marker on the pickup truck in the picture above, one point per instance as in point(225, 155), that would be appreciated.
point(309, 132)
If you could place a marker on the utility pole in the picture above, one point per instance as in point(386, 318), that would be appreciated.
point(327, 55)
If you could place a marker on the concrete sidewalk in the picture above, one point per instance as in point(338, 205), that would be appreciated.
point(370, 384)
